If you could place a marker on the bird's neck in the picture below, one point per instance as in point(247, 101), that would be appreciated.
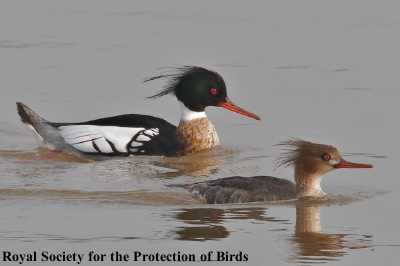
point(196, 132)
point(308, 184)
point(188, 115)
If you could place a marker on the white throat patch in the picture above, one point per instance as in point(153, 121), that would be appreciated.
point(311, 188)
point(188, 115)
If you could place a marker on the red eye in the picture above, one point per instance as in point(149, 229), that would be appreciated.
point(326, 157)
point(214, 91)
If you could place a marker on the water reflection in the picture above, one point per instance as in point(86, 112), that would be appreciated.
point(208, 223)
point(311, 244)
point(308, 241)
point(204, 224)
point(205, 163)
point(43, 154)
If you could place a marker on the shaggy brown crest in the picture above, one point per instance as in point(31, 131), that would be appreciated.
point(297, 150)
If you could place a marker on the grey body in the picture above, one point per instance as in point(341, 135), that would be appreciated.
point(238, 189)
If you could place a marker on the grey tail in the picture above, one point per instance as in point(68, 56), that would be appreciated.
point(45, 130)
point(28, 116)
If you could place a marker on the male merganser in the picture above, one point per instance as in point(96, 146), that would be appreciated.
point(310, 160)
point(194, 87)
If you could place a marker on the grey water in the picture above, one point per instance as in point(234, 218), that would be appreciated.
point(324, 71)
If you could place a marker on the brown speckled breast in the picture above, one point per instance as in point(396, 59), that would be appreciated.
point(197, 135)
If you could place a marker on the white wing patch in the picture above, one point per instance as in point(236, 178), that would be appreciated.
point(142, 137)
point(106, 139)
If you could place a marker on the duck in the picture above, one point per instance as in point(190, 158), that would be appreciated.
point(310, 160)
point(135, 134)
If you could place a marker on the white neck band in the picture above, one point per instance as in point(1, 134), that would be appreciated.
point(188, 115)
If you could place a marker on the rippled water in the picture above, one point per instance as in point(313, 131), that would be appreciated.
point(325, 71)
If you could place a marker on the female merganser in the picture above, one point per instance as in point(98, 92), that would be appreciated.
point(194, 87)
point(310, 161)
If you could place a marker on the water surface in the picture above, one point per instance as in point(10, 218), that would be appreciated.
point(325, 71)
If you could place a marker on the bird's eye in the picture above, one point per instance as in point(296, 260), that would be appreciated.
point(326, 157)
point(214, 91)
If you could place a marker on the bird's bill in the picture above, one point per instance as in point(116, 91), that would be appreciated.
point(347, 164)
point(229, 105)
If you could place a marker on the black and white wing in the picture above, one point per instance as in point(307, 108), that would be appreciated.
point(107, 139)
point(122, 135)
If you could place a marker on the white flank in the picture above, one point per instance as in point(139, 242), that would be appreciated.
point(82, 137)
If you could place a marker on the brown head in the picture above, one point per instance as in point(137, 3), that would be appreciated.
point(311, 161)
